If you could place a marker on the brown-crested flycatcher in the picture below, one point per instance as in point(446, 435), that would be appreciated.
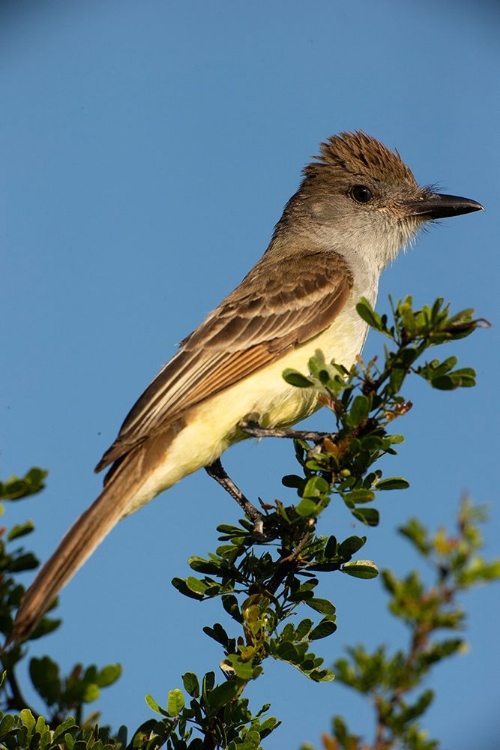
point(357, 206)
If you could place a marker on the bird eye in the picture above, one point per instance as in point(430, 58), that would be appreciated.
point(361, 194)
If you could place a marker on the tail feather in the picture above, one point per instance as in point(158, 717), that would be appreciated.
point(77, 545)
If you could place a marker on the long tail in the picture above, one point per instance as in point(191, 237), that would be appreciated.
point(84, 536)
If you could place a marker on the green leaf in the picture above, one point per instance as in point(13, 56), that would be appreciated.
point(359, 410)
point(181, 585)
point(351, 545)
point(91, 693)
point(204, 566)
point(61, 729)
point(359, 496)
point(407, 317)
point(6, 724)
point(245, 670)
point(293, 481)
point(143, 731)
point(268, 726)
point(16, 488)
point(196, 586)
point(316, 487)
point(44, 675)
point(208, 683)
point(218, 634)
point(175, 702)
point(418, 708)
point(109, 674)
point(27, 718)
point(443, 383)
point(153, 705)
point(321, 675)
point(448, 647)
point(389, 581)
point(293, 377)
point(416, 532)
point(230, 604)
point(323, 606)
point(303, 628)
point(368, 516)
point(323, 630)
point(360, 569)
point(397, 376)
point(331, 547)
point(20, 530)
point(317, 363)
point(392, 483)
point(340, 730)
point(395, 439)
point(307, 508)
point(45, 626)
point(191, 684)
point(464, 378)
point(288, 652)
point(366, 311)
point(18, 564)
point(222, 695)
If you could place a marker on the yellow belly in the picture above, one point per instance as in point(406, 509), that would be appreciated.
point(212, 426)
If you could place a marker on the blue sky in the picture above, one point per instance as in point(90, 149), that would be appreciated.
point(147, 150)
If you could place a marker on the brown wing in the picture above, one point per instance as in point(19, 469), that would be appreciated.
point(279, 305)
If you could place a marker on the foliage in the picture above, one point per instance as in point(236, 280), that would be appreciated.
point(391, 681)
point(64, 697)
point(266, 575)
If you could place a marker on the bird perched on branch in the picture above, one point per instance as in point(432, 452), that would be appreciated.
point(358, 204)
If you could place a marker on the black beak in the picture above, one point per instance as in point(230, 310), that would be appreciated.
point(439, 206)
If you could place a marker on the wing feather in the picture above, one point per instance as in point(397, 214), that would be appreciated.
point(278, 306)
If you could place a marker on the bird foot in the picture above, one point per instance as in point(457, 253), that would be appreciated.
point(253, 429)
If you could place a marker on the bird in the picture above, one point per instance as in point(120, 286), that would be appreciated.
point(357, 205)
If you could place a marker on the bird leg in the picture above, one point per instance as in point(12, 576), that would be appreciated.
point(217, 472)
point(253, 429)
